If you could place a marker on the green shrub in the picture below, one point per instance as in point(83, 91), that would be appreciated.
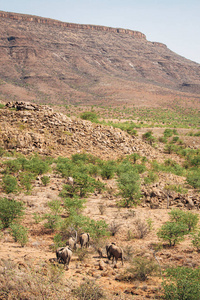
point(19, 233)
point(90, 116)
point(54, 220)
point(163, 139)
point(196, 240)
point(168, 132)
point(151, 177)
point(12, 166)
point(176, 188)
point(169, 148)
point(124, 166)
point(82, 223)
point(182, 283)
point(108, 169)
point(35, 165)
point(2, 152)
point(175, 139)
point(45, 180)
point(10, 210)
point(197, 133)
point(193, 178)
point(65, 166)
point(58, 241)
point(26, 180)
point(9, 184)
point(142, 268)
point(149, 137)
point(172, 232)
point(129, 186)
point(134, 157)
point(37, 218)
point(74, 205)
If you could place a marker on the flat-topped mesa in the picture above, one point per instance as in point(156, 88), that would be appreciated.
point(52, 22)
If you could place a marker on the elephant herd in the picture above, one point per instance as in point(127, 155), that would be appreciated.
point(64, 254)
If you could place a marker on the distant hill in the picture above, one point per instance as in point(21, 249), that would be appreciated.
point(48, 61)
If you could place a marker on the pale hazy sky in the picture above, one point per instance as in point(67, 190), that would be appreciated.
point(175, 23)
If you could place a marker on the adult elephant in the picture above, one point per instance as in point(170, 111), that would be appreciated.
point(84, 240)
point(64, 255)
point(115, 252)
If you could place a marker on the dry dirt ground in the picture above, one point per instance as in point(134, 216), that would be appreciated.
point(38, 250)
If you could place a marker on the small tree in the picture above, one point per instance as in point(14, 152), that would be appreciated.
point(10, 210)
point(172, 232)
point(45, 180)
point(129, 185)
point(187, 218)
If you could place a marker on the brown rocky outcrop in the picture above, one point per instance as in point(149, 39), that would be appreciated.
point(51, 22)
point(36, 128)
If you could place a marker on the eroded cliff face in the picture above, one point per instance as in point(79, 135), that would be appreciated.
point(51, 22)
point(49, 61)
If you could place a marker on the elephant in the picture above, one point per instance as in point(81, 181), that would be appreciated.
point(107, 247)
point(72, 243)
point(58, 254)
point(115, 252)
point(84, 240)
point(64, 255)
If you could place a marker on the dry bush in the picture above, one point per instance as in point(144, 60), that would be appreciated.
point(82, 253)
point(102, 208)
point(130, 235)
point(141, 228)
point(39, 282)
point(128, 252)
point(140, 269)
point(114, 228)
point(89, 290)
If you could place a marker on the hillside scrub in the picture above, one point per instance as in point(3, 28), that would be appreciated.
point(182, 283)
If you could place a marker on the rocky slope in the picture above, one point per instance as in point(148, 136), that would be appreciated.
point(47, 61)
point(33, 128)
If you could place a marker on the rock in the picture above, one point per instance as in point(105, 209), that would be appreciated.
point(101, 265)
point(36, 244)
point(190, 203)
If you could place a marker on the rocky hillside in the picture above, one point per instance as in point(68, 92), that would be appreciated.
point(49, 61)
point(34, 128)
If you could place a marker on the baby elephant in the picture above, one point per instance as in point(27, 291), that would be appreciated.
point(72, 243)
point(64, 255)
point(115, 252)
point(84, 240)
